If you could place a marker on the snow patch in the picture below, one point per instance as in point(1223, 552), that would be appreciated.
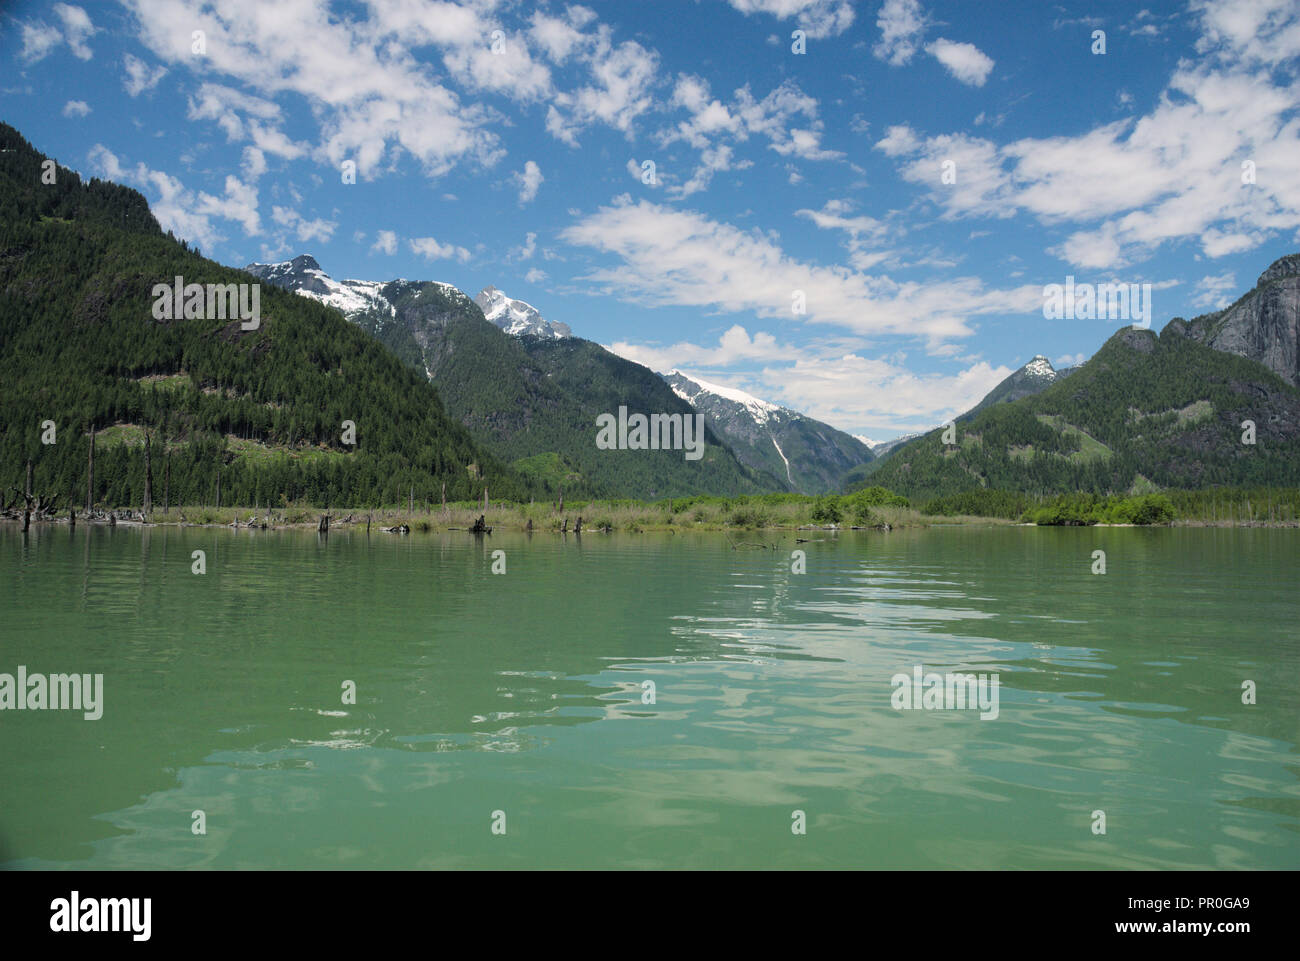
point(760, 410)
point(516, 317)
point(1040, 366)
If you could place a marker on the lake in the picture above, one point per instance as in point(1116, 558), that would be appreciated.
point(503, 720)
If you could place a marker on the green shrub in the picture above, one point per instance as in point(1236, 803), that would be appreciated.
point(747, 517)
point(826, 510)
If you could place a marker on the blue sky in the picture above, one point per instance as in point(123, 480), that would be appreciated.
point(503, 143)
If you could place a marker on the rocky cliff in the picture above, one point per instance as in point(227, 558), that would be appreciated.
point(1263, 325)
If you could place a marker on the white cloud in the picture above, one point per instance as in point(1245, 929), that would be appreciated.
point(40, 38)
point(77, 28)
point(734, 346)
point(680, 257)
point(901, 24)
point(1069, 360)
point(786, 117)
point(430, 249)
point(832, 386)
point(805, 144)
point(1252, 31)
point(303, 229)
point(385, 242)
point(369, 95)
point(863, 233)
point(559, 37)
point(189, 214)
point(254, 163)
point(713, 160)
point(1213, 292)
point(139, 77)
point(508, 69)
point(1172, 174)
point(526, 251)
point(856, 390)
point(528, 181)
point(817, 18)
point(245, 117)
point(983, 187)
point(622, 90)
point(104, 162)
point(535, 276)
point(965, 61)
point(76, 108)
point(636, 171)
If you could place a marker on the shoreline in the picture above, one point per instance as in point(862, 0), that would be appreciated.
point(392, 522)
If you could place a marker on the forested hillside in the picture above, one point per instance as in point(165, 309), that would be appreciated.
point(532, 401)
point(1145, 412)
point(595, 381)
point(257, 414)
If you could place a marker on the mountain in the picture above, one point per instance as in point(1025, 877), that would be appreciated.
point(518, 318)
point(1032, 378)
point(887, 446)
point(304, 275)
point(1264, 323)
point(531, 400)
point(257, 414)
point(811, 457)
point(1145, 411)
point(860, 476)
point(1035, 376)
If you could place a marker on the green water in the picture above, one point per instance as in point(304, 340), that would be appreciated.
point(522, 693)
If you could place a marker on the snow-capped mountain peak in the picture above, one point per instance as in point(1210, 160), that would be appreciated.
point(518, 318)
point(303, 275)
point(1040, 366)
point(793, 448)
point(681, 384)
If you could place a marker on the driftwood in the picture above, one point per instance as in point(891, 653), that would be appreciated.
point(480, 526)
point(396, 529)
point(323, 525)
point(577, 528)
point(737, 545)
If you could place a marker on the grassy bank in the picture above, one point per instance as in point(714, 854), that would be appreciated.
point(1224, 507)
point(872, 508)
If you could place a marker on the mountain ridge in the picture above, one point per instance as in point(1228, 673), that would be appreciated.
point(811, 456)
point(521, 396)
point(215, 411)
point(1146, 411)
